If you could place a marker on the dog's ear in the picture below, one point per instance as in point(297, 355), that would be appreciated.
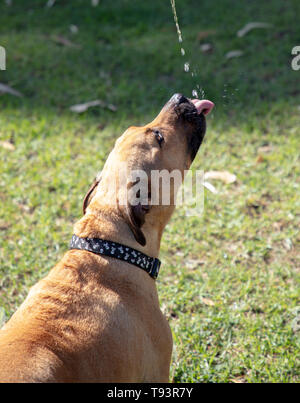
point(90, 194)
point(134, 209)
point(135, 217)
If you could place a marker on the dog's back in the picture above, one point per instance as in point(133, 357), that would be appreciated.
point(91, 320)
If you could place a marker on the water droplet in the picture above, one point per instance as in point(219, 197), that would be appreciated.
point(195, 93)
point(186, 67)
point(182, 51)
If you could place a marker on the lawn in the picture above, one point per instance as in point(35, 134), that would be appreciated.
point(229, 283)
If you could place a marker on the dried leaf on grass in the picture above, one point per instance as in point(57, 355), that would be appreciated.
point(73, 29)
point(265, 149)
point(260, 159)
point(7, 145)
point(80, 108)
point(208, 301)
point(193, 263)
point(223, 176)
point(252, 25)
point(50, 3)
point(206, 47)
point(288, 244)
point(234, 53)
point(4, 225)
point(8, 90)
point(240, 379)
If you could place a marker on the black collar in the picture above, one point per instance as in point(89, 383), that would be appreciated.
point(113, 249)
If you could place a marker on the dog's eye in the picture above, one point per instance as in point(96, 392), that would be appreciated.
point(159, 137)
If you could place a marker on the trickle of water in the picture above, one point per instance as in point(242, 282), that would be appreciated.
point(186, 67)
point(176, 20)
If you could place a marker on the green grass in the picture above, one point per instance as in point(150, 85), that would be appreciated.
point(229, 283)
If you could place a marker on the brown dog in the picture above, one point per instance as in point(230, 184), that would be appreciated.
point(96, 318)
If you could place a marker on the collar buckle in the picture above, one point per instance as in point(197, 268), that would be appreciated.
point(155, 268)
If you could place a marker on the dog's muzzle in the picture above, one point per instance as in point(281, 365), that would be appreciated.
point(191, 113)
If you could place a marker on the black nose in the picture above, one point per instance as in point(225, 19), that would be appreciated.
point(179, 99)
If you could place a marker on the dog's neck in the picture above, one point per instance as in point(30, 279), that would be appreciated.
point(109, 225)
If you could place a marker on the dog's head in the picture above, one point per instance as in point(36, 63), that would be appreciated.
point(168, 144)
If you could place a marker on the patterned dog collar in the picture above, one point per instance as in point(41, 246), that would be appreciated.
point(113, 249)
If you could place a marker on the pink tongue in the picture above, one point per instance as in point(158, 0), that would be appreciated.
point(203, 105)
